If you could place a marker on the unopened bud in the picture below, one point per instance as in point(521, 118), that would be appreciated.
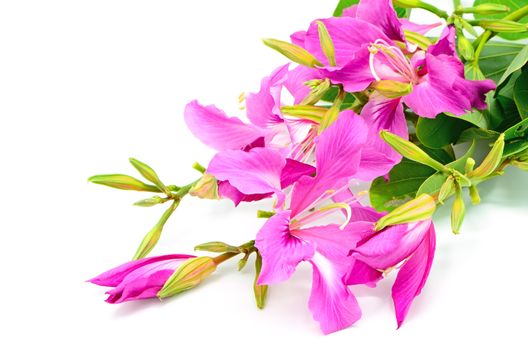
point(262, 214)
point(260, 290)
point(149, 202)
point(470, 165)
point(474, 195)
point(420, 208)
point(458, 211)
point(295, 53)
point(217, 247)
point(485, 9)
point(465, 48)
point(523, 165)
point(123, 182)
point(318, 90)
point(313, 113)
point(502, 26)
point(242, 262)
point(492, 160)
point(461, 23)
point(326, 43)
point(392, 88)
point(190, 274)
point(152, 237)
point(148, 173)
point(205, 188)
point(333, 112)
point(446, 189)
point(411, 151)
point(407, 3)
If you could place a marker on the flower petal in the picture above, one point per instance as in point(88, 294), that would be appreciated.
point(113, 277)
point(281, 252)
point(293, 170)
point(417, 28)
point(215, 129)
point(331, 303)
point(226, 190)
point(257, 171)
point(297, 77)
point(382, 14)
point(413, 275)
point(361, 273)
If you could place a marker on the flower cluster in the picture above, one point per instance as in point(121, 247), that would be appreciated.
point(360, 84)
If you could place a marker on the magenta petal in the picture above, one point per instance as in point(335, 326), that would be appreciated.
point(418, 28)
point(226, 190)
point(355, 75)
point(362, 273)
point(257, 171)
point(295, 83)
point(331, 303)
point(392, 245)
point(382, 14)
point(446, 44)
point(413, 275)
point(281, 252)
point(338, 154)
point(115, 276)
point(263, 108)
point(293, 170)
point(215, 129)
point(298, 38)
point(382, 113)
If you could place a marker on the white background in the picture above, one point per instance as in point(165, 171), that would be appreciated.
point(86, 84)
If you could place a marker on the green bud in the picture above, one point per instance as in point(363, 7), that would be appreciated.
point(326, 43)
point(150, 202)
point(446, 189)
point(295, 53)
point(392, 88)
point(217, 247)
point(260, 290)
point(407, 3)
point(262, 214)
point(458, 211)
point(465, 48)
point(152, 237)
point(492, 160)
point(485, 9)
point(205, 188)
point(470, 165)
point(242, 262)
point(331, 114)
point(474, 195)
point(411, 151)
point(461, 23)
point(148, 173)
point(418, 39)
point(122, 182)
point(502, 26)
point(199, 167)
point(190, 274)
point(318, 90)
point(313, 113)
point(420, 208)
point(520, 165)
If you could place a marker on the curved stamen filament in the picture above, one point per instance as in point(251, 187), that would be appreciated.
point(395, 57)
point(323, 212)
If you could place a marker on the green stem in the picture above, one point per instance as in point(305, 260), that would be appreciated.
point(484, 37)
point(457, 4)
point(223, 257)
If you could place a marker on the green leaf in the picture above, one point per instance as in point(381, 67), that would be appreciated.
point(516, 139)
point(477, 134)
point(404, 180)
point(343, 4)
point(433, 183)
point(520, 94)
point(496, 58)
point(513, 5)
point(517, 63)
point(440, 131)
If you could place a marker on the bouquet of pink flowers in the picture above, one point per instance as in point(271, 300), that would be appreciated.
point(369, 98)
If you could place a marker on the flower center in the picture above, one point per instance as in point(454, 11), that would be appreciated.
point(390, 57)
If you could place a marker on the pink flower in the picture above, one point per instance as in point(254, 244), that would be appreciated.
point(407, 247)
point(139, 279)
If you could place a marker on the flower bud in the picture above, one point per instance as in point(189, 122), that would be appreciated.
point(148, 173)
point(217, 247)
point(502, 26)
point(492, 160)
point(470, 165)
point(205, 188)
point(189, 274)
point(486, 9)
point(313, 113)
point(123, 182)
point(392, 88)
point(465, 48)
point(326, 43)
point(149, 202)
point(295, 53)
point(152, 237)
point(474, 195)
point(333, 112)
point(446, 189)
point(420, 208)
point(407, 3)
point(318, 90)
point(458, 211)
point(262, 214)
point(411, 151)
point(260, 290)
